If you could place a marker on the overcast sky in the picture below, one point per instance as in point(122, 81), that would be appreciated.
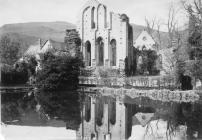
point(18, 11)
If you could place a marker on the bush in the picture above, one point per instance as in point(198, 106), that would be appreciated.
point(108, 72)
point(61, 104)
point(148, 64)
point(10, 75)
point(194, 68)
point(57, 84)
point(9, 50)
point(58, 73)
point(13, 106)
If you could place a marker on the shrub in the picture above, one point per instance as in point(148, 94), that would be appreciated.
point(57, 84)
point(10, 75)
point(58, 72)
point(108, 72)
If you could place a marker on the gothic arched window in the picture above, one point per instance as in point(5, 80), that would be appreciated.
point(88, 53)
point(93, 18)
point(87, 109)
point(113, 52)
point(100, 51)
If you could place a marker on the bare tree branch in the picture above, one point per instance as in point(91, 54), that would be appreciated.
point(158, 25)
point(194, 9)
point(150, 24)
point(171, 24)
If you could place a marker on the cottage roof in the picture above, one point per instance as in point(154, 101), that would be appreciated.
point(49, 46)
point(33, 50)
point(52, 46)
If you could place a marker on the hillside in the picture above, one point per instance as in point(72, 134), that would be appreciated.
point(45, 30)
point(29, 33)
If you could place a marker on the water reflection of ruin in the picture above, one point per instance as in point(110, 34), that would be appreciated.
point(108, 118)
point(112, 118)
point(104, 118)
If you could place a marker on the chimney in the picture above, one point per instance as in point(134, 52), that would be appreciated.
point(40, 44)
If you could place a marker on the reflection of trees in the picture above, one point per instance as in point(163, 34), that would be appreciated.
point(168, 112)
point(175, 114)
point(57, 84)
point(172, 114)
point(186, 114)
point(64, 105)
point(14, 105)
point(61, 104)
point(192, 117)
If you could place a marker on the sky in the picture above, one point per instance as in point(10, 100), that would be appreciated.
point(20, 11)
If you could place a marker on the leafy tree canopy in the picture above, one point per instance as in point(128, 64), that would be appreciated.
point(58, 72)
point(148, 64)
point(57, 82)
point(8, 50)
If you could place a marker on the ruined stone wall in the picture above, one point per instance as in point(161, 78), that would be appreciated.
point(95, 22)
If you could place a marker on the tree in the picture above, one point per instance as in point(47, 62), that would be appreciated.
point(57, 83)
point(172, 25)
point(173, 51)
point(8, 50)
point(150, 25)
point(14, 75)
point(30, 65)
point(57, 72)
point(194, 11)
point(151, 62)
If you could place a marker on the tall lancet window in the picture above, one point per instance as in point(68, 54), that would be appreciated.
point(88, 53)
point(113, 52)
point(93, 18)
point(100, 51)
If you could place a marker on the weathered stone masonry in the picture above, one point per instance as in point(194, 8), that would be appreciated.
point(107, 38)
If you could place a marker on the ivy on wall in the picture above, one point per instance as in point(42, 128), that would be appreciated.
point(146, 62)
